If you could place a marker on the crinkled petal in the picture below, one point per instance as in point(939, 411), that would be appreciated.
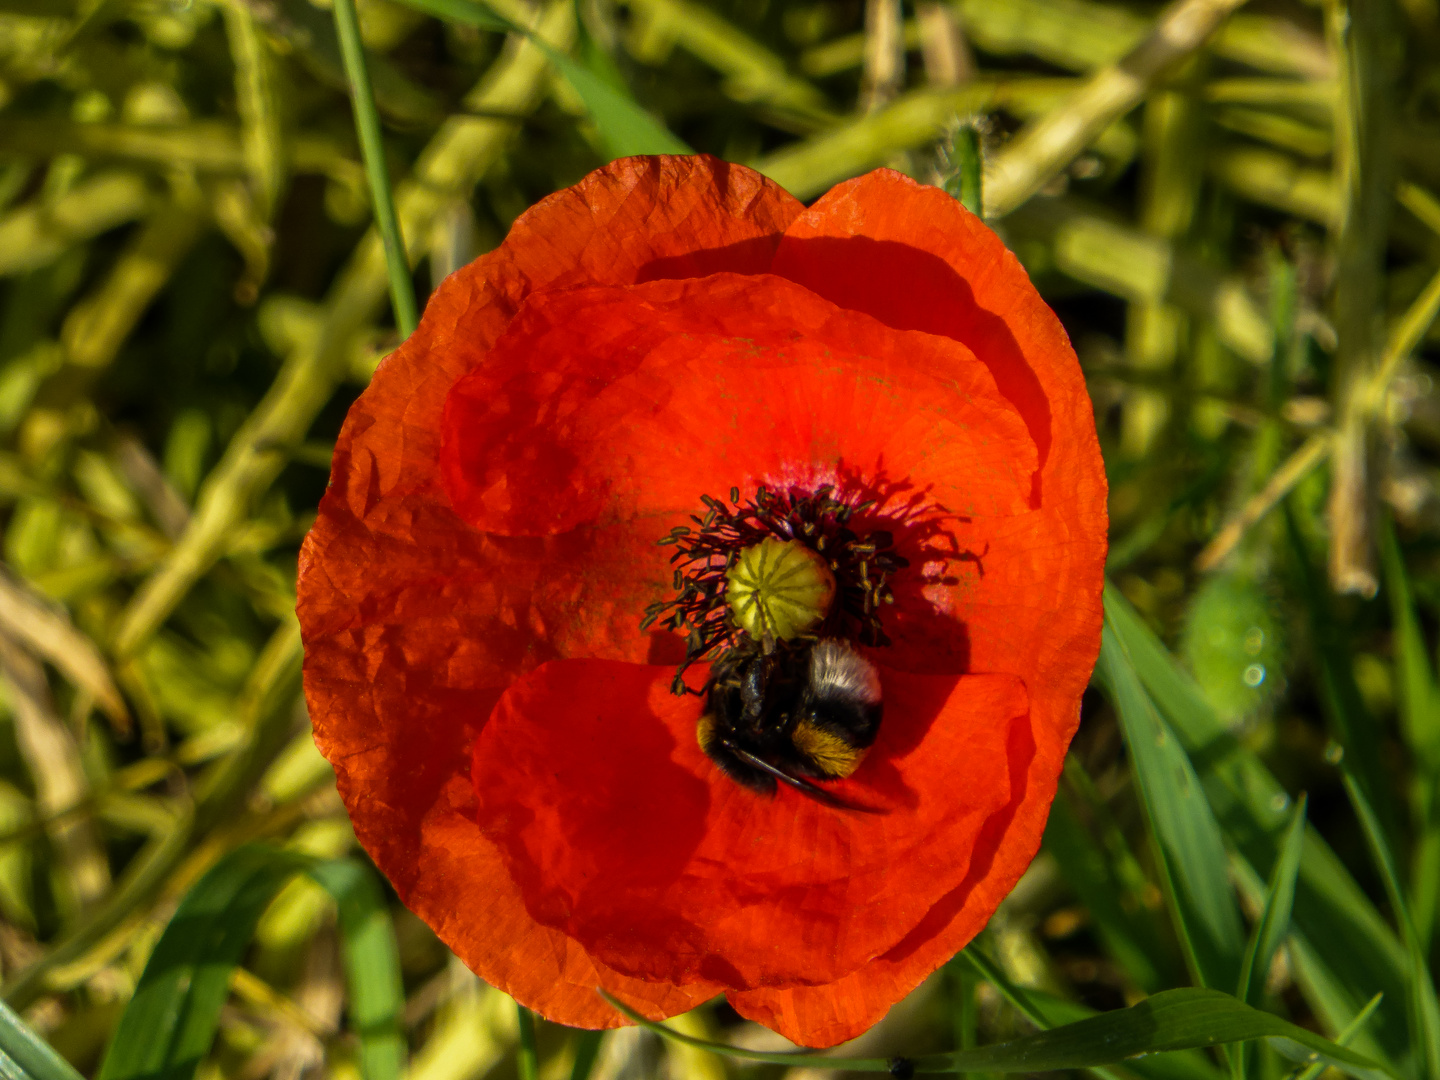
point(1026, 588)
point(621, 833)
point(417, 622)
point(414, 622)
point(613, 406)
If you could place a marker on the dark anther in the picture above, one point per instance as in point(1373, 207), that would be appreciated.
point(901, 1068)
point(703, 555)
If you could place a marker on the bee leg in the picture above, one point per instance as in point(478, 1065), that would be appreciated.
point(806, 788)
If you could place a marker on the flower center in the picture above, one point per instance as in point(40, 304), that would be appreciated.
point(777, 568)
point(779, 589)
point(777, 592)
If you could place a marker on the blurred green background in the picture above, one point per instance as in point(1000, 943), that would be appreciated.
point(1239, 228)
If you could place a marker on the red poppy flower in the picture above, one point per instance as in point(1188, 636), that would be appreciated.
point(667, 331)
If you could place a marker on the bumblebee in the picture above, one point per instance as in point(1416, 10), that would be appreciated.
point(795, 712)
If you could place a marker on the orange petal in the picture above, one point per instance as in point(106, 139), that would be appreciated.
point(617, 405)
point(414, 623)
point(624, 836)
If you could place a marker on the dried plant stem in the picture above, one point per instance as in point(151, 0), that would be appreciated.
point(947, 55)
point(1364, 170)
point(1281, 483)
point(98, 325)
point(1170, 187)
point(1404, 337)
point(261, 138)
point(1045, 147)
point(1420, 203)
point(807, 168)
point(457, 156)
point(40, 232)
point(752, 72)
point(265, 707)
point(884, 54)
point(53, 758)
point(28, 617)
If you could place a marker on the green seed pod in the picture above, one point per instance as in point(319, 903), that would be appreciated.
point(1233, 644)
point(779, 588)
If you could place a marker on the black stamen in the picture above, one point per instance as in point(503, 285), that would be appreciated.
point(817, 519)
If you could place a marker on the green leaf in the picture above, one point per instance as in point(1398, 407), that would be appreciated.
point(1190, 851)
point(372, 965)
point(625, 128)
point(1038, 1011)
point(1274, 921)
point(1173, 1020)
point(1334, 653)
point(1420, 726)
point(1273, 924)
point(1424, 1008)
point(1346, 951)
point(170, 1023)
point(1231, 642)
point(24, 1055)
point(1344, 1038)
point(587, 1051)
point(527, 1058)
point(1085, 869)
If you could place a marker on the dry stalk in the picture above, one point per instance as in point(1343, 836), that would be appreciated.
point(1043, 148)
point(53, 758)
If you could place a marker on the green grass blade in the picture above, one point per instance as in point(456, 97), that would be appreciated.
point(1424, 1008)
point(587, 1051)
point(372, 149)
point(1349, 951)
point(170, 1022)
point(1272, 926)
point(1173, 1020)
point(1274, 921)
point(1315, 1068)
point(987, 969)
point(27, 1055)
point(1420, 726)
point(1128, 935)
point(963, 1011)
point(1333, 650)
point(1190, 851)
point(527, 1057)
point(1047, 1012)
point(625, 128)
point(372, 965)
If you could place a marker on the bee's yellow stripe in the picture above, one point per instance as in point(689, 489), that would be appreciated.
point(829, 753)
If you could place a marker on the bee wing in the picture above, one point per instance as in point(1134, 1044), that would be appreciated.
point(803, 786)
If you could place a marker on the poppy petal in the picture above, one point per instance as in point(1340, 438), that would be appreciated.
point(1027, 588)
point(414, 623)
point(607, 405)
point(623, 835)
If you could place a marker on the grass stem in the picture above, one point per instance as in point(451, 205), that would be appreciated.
point(372, 149)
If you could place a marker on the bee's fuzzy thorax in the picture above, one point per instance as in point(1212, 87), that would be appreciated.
point(839, 672)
